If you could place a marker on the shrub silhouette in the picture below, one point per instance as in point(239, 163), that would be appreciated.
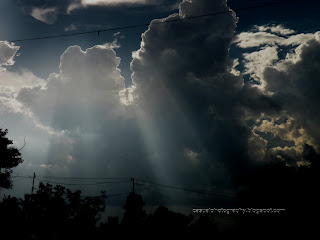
point(10, 157)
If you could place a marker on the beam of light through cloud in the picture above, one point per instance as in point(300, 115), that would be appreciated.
point(180, 94)
point(83, 102)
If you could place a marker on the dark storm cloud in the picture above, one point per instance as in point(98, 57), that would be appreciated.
point(296, 87)
point(291, 83)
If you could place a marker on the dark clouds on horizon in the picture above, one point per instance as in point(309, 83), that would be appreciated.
point(188, 119)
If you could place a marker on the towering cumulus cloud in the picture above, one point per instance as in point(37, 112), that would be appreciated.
point(193, 107)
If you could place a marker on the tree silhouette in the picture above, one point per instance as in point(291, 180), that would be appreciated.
point(12, 219)
point(59, 213)
point(10, 157)
point(164, 219)
point(134, 214)
point(279, 186)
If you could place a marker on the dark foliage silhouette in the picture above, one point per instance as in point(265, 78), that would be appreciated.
point(59, 211)
point(52, 213)
point(12, 219)
point(164, 219)
point(10, 157)
point(278, 186)
point(134, 213)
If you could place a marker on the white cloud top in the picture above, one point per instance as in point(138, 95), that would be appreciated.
point(278, 29)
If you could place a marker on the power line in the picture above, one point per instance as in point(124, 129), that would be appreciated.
point(145, 187)
point(163, 197)
point(154, 23)
point(81, 184)
point(74, 178)
point(187, 190)
point(18, 180)
point(21, 177)
point(118, 194)
point(43, 179)
point(83, 181)
point(112, 195)
point(85, 178)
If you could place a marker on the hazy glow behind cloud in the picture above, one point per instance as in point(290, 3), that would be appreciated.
point(113, 2)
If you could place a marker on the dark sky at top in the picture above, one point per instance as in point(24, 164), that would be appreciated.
point(21, 25)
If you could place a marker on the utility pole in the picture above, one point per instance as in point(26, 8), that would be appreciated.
point(34, 176)
point(132, 179)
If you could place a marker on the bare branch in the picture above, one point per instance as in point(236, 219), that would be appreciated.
point(25, 143)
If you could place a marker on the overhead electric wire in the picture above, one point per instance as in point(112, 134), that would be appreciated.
point(187, 190)
point(21, 177)
point(19, 180)
point(80, 184)
point(145, 187)
point(85, 178)
point(82, 181)
point(144, 182)
point(117, 194)
point(163, 197)
point(111, 195)
point(147, 24)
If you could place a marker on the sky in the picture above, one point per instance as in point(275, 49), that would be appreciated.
point(196, 103)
